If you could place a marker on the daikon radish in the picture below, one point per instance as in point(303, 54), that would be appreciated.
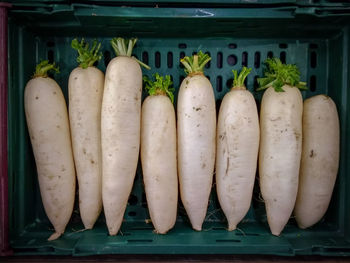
point(237, 150)
point(280, 141)
point(48, 126)
point(158, 153)
point(319, 159)
point(120, 131)
point(85, 98)
point(196, 138)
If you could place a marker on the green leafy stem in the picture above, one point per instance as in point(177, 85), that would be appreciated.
point(44, 67)
point(277, 75)
point(195, 63)
point(124, 47)
point(238, 81)
point(87, 57)
point(161, 85)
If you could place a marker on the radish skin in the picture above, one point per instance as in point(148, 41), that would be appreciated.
point(237, 153)
point(48, 126)
point(280, 153)
point(196, 145)
point(85, 88)
point(159, 165)
point(120, 133)
point(85, 98)
point(319, 161)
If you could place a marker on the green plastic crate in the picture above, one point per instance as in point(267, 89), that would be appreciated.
point(314, 38)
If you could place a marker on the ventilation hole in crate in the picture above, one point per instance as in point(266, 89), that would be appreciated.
point(135, 56)
point(208, 77)
point(270, 54)
point(209, 63)
point(140, 240)
point(219, 60)
point(144, 201)
point(50, 56)
point(145, 57)
point(50, 43)
point(157, 59)
point(232, 45)
point(182, 55)
point(313, 59)
point(132, 199)
point(181, 78)
point(229, 83)
point(228, 241)
point(245, 59)
point(313, 46)
point(313, 83)
point(132, 213)
point(283, 45)
point(283, 57)
point(256, 84)
point(142, 228)
point(172, 79)
point(232, 60)
point(182, 45)
point(246, 81)
point(257, 59)
point(170, 59)
point(246, 234)
point(218, 83)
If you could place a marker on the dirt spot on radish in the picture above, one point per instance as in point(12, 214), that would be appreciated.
point(84, 150)
point(76, 78)
point(197, 109)
point(92, 161)
point(312, 154)
point(275, 119)
point(63, 168)
point(58, 126)
point(275, 200)
point(203, 165)
point(227, 165)
point(198, 125)
point(36, 97)
point(54, 93)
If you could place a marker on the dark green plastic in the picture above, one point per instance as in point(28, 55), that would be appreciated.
point(317, 41)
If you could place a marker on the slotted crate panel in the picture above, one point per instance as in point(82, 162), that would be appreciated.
point(320, 50)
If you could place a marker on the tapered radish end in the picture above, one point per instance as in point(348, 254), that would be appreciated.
point(276, 233)
point(112, 233)
point(232, 227)
point(88, 225)
point(197, 227)
point(54, 236)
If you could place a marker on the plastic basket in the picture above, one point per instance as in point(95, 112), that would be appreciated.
point(316, 38)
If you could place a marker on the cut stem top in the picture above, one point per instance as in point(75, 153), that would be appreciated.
point(124, 47)
point(195, 63)
point(278, 74)
point(161, 86)
point(43, 68)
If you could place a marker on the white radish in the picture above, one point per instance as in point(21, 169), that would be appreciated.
point(319, 160)
point(158, 153)
point(280, 141)
point(196, 139)
point(85, 98)
point(48, 126)
point(120, 131)
point(237, 150)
